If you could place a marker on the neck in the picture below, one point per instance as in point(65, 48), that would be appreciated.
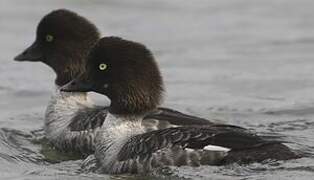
point(64, 94)
point(66, 71)
point(64, 77)
point(61, 81)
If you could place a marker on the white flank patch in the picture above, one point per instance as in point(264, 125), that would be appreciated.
point(216, 148)
point(189, 149)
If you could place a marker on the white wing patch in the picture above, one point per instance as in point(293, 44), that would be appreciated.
point(216, 148)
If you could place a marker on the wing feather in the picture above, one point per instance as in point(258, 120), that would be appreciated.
point(232, 137)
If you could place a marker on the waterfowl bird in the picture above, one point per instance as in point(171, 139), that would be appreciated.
point(128, 75)
point(63, 40)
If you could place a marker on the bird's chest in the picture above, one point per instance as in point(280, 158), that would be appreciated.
point(113, 136)
point(60, 112)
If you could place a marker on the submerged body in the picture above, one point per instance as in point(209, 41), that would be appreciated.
point(124, 146)
point(128, 75)
point(114, 156)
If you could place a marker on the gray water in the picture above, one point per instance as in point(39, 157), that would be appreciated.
point(242, 62)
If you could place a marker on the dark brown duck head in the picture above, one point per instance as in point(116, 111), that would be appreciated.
point(63, 40)
point(126, 72)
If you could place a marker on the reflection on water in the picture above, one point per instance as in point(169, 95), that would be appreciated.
point(244, 62)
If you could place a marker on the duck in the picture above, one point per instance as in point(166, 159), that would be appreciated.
point(127, 73)
point(63, 40)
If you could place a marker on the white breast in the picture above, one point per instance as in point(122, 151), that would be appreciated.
point(114, 133)
point(62, 107)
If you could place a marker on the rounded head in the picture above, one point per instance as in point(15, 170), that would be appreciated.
point(126, 72)
point(63, 40)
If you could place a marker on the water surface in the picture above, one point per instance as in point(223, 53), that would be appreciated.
point(243, 62)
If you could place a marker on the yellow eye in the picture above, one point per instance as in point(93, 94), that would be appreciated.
point(49, 38)
point(103, 66)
